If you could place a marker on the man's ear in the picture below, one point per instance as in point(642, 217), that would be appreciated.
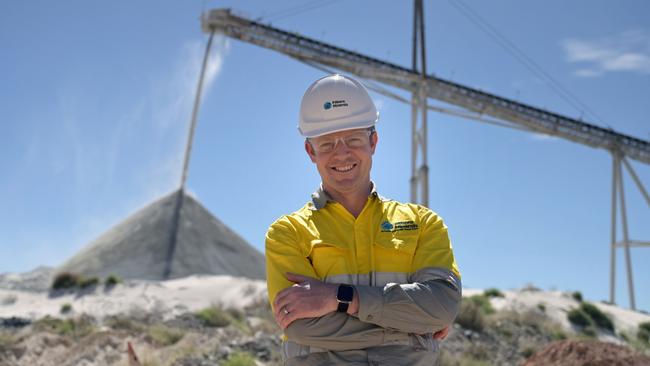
point(310, 151)
point(374, 138)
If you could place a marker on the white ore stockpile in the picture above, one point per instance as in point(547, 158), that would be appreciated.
point(140, 247)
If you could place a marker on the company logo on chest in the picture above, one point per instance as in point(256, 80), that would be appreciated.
point(388, 227)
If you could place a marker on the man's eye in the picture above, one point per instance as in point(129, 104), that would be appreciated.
point(354, 141)
point(325, 146)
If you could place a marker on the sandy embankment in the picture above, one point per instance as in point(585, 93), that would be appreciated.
point(138, 298)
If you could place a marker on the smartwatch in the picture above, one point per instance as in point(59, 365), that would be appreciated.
point(344, 296)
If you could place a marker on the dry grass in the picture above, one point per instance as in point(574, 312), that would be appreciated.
point(7, 340)
point(473, 312)
point(124, 323)
point(214, 316)
point(466, 359)
point(76, 328)
point(510, 322)
point(164, 336)
point(239, 359)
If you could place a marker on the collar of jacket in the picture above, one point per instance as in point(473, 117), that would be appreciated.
point(320, 197)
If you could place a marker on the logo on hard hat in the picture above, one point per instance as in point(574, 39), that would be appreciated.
point(327, 105)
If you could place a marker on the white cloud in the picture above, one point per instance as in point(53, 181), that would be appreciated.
point(171, 109)
point(588, 73)
point(543, 137)
point(626, 52)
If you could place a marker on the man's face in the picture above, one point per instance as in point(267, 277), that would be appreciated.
point(343, 158)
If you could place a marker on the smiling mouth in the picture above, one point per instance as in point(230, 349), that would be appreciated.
point(344, 169)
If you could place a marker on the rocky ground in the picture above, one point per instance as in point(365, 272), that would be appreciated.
point(494, 328)
point(576, 352)
point(213, 336)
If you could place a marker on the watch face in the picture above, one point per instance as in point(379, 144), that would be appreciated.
point(345, 293)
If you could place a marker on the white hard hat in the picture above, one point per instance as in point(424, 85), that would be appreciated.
point(335, 103)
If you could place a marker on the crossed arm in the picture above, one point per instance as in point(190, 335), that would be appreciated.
point(311, 318)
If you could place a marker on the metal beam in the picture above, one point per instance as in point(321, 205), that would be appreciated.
point(633, 243)
point(637, 181)
point(419, 163)
point(532, 118)
point(178, 204)
point(612, 257)
point(626, 240)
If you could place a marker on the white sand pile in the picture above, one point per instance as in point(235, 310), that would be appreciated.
point(138, 298)
point(168, 299)
point(557, 304)
point(38, 279)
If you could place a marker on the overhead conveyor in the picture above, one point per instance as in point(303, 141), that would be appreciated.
point(483, 103)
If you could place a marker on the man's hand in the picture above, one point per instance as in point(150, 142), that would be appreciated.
point(441, 334)
point(308, 298)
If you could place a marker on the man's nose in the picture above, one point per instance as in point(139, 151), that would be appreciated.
point(340, 147)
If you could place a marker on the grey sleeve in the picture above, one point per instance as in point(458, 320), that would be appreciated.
point(337, 332)
point(428, 303)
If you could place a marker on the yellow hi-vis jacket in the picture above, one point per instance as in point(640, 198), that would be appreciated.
point(400, 260)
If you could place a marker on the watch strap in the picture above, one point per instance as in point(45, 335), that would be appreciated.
point(344, 296)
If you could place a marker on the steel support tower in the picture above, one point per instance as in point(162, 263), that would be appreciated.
point(419, 174)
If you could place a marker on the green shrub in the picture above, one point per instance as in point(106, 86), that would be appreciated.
point(473, 310)
point(471, 316)
point(625, 337)
point(600, 319)
point(164, 336)
point(483, 302)
point(59, 326)
point(528, 351)
point(577, 296)
point(65, 280)
point(510, 322)
point(643, 336)
point(645, 326)
point(123, 323)
point(6, 341)
point(239, 359)
point(644, 332)
point(66, 308)
point(86, 282)
point(76, 328)
point(69, 280)
point(590, 331)
point(579, 318)
point(215, 316)
point(558, 334)
point(112, 280)
point(541, 307)
point(493, 292)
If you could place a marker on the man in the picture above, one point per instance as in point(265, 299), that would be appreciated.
point(355, 278)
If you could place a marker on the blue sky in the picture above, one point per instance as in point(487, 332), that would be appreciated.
point(96, 100)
